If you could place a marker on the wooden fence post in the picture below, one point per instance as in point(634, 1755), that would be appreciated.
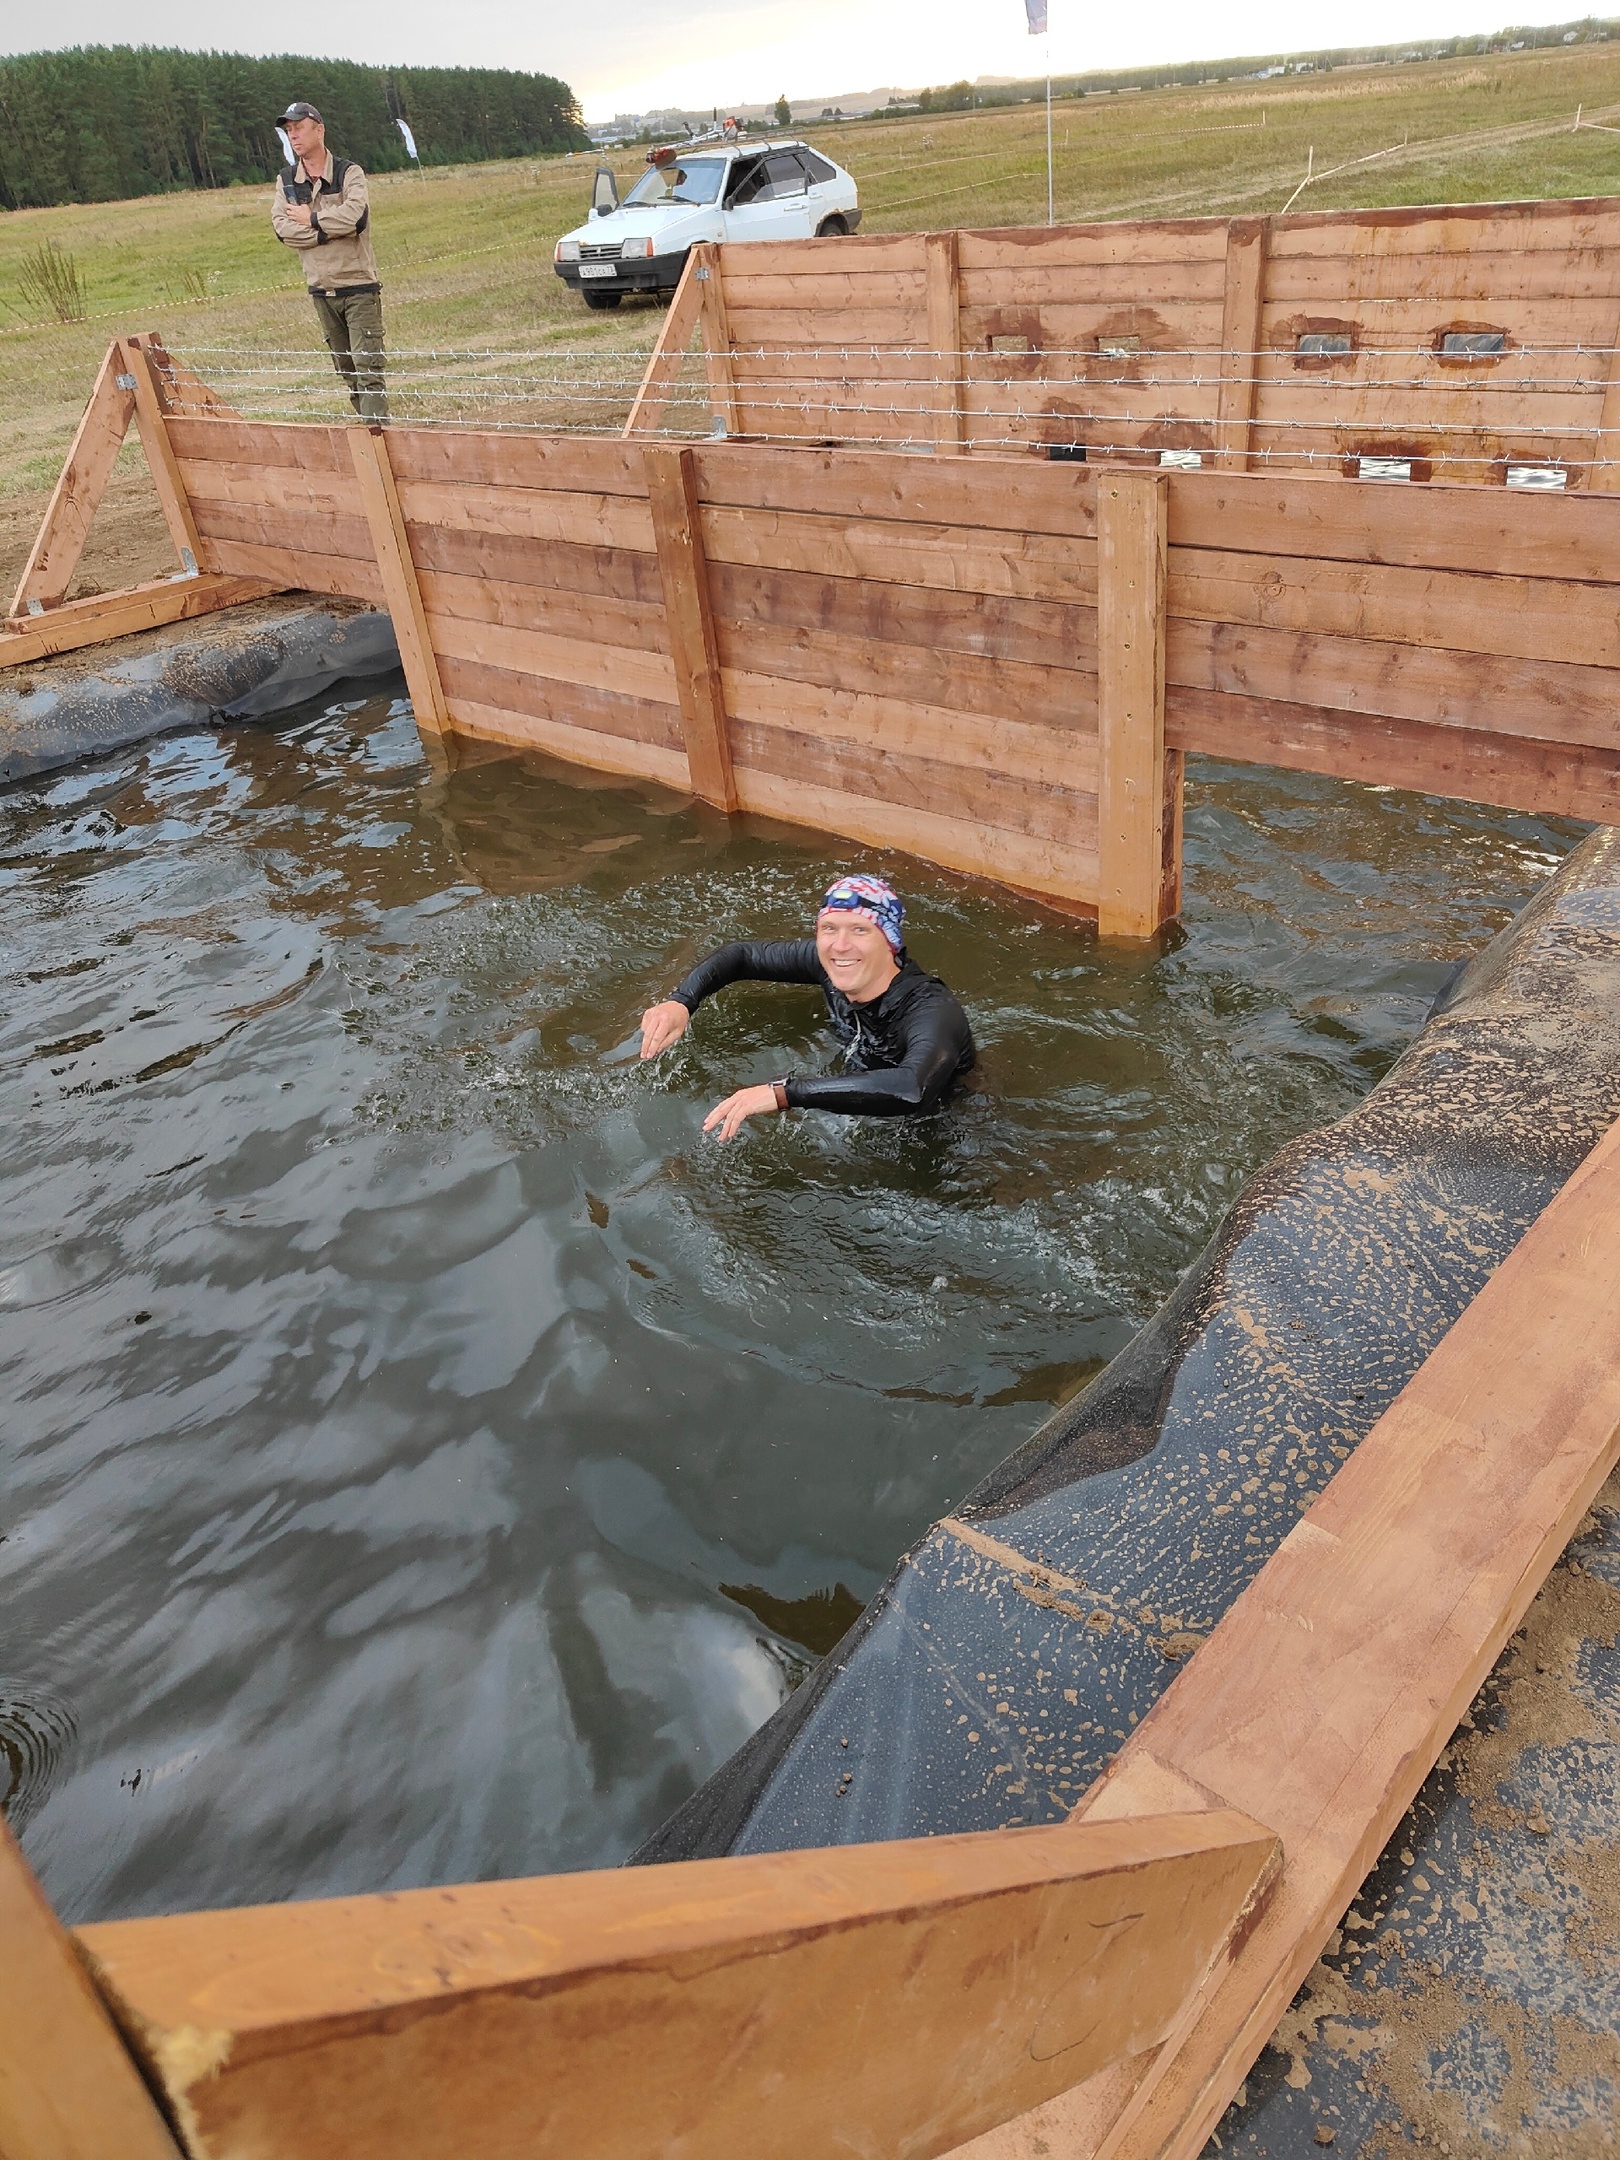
point(1138, 794)
point(166, 477)
point(368, 448)
point(48, 572)
point(703, 267)
point(1246, 241)
point(942, 279)
point(664, 368)
point(69, 2090)
point(1605, 474)
point(684, 571)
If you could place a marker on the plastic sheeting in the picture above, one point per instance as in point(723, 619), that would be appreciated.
point(1013, 1649)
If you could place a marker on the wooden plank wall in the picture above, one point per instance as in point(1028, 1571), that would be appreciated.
point(907, 647)
point(1022, 338)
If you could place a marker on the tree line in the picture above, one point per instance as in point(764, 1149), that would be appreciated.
point(100, 123)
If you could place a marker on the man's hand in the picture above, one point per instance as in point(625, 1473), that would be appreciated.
point(663, 1024)
point(746, 1103)
point(300, 213)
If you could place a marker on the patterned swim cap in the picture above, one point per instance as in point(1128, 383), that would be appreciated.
point(872, 898)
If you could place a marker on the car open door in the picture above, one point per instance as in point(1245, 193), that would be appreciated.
point(604, 192)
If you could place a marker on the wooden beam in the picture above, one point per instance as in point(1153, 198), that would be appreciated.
point(1134, 787)
point(664, 368)
point(94, 621)
point(1241, 309)
point(1324, 1697)
point(181, 391)
point(48, 572)
point(678, 534)
point(942, 279)
point(173, 500)
point(1604, 477)
point(875, 1999)
point(703, 266)
point(368, 448)
point(69, 2088)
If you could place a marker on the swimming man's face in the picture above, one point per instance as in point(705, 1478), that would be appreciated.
point(855, 954)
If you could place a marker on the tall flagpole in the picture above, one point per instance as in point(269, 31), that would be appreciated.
point(1049, 217)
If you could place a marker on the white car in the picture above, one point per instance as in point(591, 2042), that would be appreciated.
point(716, 191)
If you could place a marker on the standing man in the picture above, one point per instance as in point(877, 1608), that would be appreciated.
point(321, 209)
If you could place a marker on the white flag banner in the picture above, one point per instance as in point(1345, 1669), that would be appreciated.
point(410, 139)
point(286, 146)
point(1036, 11)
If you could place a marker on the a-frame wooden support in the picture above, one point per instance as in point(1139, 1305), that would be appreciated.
point(137, 382)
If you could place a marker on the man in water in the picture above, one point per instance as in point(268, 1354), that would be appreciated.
point(905, 1037)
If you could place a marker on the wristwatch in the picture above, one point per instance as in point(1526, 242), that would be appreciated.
point(779, 1090)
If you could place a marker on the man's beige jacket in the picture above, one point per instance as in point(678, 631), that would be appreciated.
point(337, 257)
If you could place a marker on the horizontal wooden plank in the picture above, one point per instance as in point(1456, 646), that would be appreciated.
point(1146, 243)
point(316, 495)
point(778, 327)
point(866, 253)
point(1465, 611)
point(529, 513)
point(1032, 498)
point(1025, 565)
point(94, 621)
point(953, 684)
point(251, 442)
point(633, 625)
point(1442, 412)
point(733, 2006)
point(589, 710)
point(1551, 222)
point(1556, 780)
point(985, 746)
point(1341, 283)
point(809, 286)
point(1546, 701)
point(293, 569)
point(1160, 290)
point(596, 749)
point(284, 530)
point(1038, 632)
point(568, 464)
point(1066, 875)
point(815, 756)
point(1515, 532)
point(551, 565)
point(625, 670)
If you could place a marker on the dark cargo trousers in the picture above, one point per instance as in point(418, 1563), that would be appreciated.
point(352, 326)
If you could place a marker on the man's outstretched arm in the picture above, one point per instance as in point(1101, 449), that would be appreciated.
point(768, 960)
point(935, 1046)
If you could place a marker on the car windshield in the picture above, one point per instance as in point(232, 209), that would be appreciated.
point(696, 180)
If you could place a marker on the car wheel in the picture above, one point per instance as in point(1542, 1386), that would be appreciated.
point(601, 299)
point(831, 228)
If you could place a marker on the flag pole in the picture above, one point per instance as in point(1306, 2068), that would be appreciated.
point(1050, 219)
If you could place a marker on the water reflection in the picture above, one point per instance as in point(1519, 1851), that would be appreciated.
point(427, 1457)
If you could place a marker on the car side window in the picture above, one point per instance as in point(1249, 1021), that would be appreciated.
point(784, 175)
point(748, 185)
point(817, 167)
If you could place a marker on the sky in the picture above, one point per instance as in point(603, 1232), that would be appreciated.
point(642, 54)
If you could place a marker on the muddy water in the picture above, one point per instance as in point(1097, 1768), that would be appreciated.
point(425, 1456)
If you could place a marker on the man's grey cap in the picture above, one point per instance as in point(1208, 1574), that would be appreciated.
point(298, 110)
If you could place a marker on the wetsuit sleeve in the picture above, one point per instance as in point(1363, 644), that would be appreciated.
point(790, 960)
point(937, 1042)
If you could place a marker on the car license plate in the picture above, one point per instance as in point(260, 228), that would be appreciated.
point(598, 269)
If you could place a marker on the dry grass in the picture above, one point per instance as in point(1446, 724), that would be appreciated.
point(466, 251)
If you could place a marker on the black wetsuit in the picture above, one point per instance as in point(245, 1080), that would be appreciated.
point(902, 1050)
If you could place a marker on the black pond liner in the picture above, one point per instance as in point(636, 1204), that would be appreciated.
point(1015, 1646)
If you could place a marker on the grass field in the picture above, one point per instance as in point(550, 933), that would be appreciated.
point(466, 251)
